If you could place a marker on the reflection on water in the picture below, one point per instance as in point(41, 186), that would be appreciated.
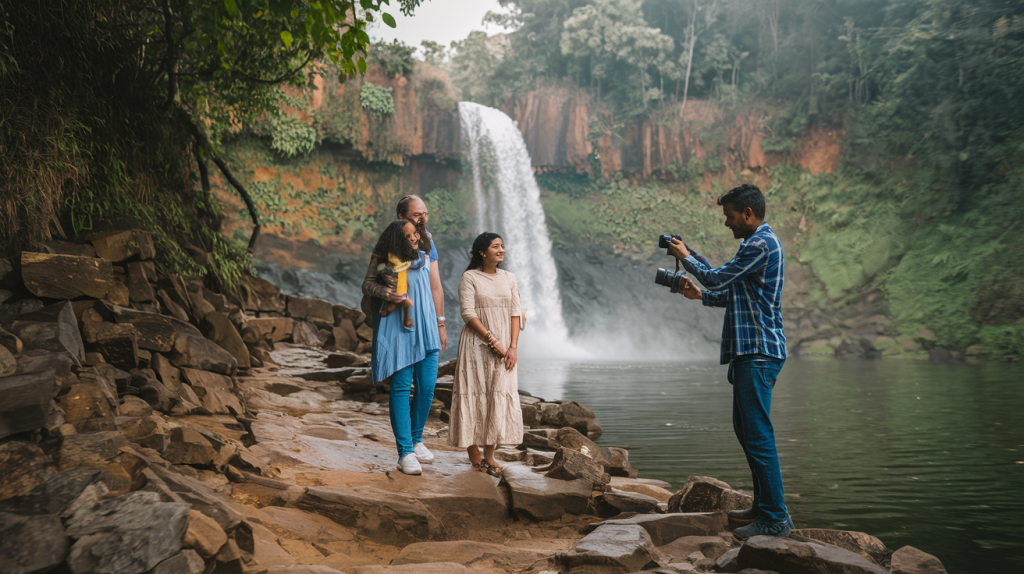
point(914, 453)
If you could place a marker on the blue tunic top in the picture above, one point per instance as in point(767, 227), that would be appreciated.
point(394, 347)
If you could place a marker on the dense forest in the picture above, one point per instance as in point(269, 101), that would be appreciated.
point(926, 202)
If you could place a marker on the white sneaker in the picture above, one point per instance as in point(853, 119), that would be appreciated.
point(409, 464)
point(423, 454)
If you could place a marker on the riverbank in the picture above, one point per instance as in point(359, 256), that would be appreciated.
point(148, 424)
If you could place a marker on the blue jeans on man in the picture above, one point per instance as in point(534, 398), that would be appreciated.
point(753, 378)
point(407, 423)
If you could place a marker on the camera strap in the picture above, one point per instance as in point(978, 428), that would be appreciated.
point(677, 266)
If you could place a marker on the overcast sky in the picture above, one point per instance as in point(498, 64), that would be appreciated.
point(439, 20)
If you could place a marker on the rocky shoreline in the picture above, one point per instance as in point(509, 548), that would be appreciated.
point(149, 424)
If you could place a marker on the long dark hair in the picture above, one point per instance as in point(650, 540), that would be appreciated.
point(393, 241)
point(481, 243)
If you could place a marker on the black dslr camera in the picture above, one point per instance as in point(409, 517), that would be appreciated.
point(667, 277)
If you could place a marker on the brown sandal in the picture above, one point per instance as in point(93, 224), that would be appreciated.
point(480, 466)
point(493, 470)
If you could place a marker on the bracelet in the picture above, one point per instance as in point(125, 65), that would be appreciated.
point(440, 319)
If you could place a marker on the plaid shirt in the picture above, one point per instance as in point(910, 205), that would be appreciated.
point(750, 288)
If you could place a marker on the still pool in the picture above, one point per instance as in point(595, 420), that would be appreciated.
point(911, 452)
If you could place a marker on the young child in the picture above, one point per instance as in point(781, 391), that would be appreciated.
point(396, 253)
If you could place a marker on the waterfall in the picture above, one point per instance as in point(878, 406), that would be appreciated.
point(508, 203)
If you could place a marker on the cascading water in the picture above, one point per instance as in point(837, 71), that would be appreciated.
point(508, 203)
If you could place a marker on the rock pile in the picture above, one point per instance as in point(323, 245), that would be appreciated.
point(149, 424)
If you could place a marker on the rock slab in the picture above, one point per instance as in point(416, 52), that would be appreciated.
point(910, 560)
point(31, 544)
point(625, 545)
point(794, 557)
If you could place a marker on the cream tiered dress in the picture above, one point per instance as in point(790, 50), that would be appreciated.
point(485, 401)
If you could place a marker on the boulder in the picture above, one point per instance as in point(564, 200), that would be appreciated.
point(552, 439)
point(153, 392)
point(570, 414)
point(344, 336)
point(269, 329)
point(10, 342)
point(149, 431)
point(618, 462)
point(200, 353)
point(614, 503)
point(118, 343)
point(664, 528)
point(219, 329)
point(536, 497)
point(118, 246)
point(184, 562)
point(87, 408)
point(706, 494)
point(383, 516)
point(304, 569)
point(425, 568)
point(168, 374)
point(468, 552)
point(93, 450)
point(342, 360)
point(188, 447)
point(310, 309)
point(134, 407)
point(364, 332)
point(171, 306)
point(197, 494)
point(9, 311)
point(204, 535)
point(305, 333)
point(642, 486)
point(910, 560)
point(712, 547)
point(795, 557)
point(53, 496)
point(138, 282)
point(568, 464)
point(156, 332)
point(258, 294)
point(31, 544)
point(624, 545)
point(126, 535)
point(864, 544)
point(8, 364)
point(23, 466)
point(53, 328)
point(66, 276)
point(26, 401)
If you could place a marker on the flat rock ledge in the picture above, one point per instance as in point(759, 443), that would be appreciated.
point(151, 425)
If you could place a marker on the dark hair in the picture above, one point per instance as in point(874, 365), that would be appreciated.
point(392, 240)
point(744, 196)
point(402, 209)
point(481, 243)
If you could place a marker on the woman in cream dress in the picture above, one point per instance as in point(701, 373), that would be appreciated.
point(485, 402)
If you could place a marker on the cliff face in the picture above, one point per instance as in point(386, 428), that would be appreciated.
point(565, 130)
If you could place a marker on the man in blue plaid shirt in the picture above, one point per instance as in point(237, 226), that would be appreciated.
point(750, 288)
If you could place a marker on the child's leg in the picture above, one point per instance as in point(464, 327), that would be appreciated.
point(387, 308)
point(406, 306)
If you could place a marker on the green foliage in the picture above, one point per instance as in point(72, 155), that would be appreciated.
point(377, 99)
point(448, 213)
point(572, 184)
point(291, 136)
point(573, 222)
point(395, 58)
point(340, 113)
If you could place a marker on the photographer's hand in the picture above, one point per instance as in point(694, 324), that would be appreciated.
point(678, 249)
point(688, 289)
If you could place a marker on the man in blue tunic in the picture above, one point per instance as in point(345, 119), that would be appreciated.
point(750, 288)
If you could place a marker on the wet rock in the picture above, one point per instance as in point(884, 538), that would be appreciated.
point(31, 544)
point(126, 535)
point(134, 407)
point(384, 516)
point(910, 560)
point(305, 333)
point(344, 336)
point(87, 408)
point(864, 544)
point(642, 486)
point(157, 333)
point(10, 342)
point(568, 464)
point(664, 528)
point(26, 401)
point(204, 535)
point(118, 246)
point(118, 343)
point(552, 439)
point(706, 494)
point(66, 276)
point(201, 353)
point(570, 414)
point(23, 466)
point(269, 329)
point(614, 503)
point(8, 364)
point(618, 462)
point(310, 309)
point(219, 329)
point(53, 328)
point(52, 496)
point(188, 447)
point(536, 497)
point(794, 557)
point(626, 546)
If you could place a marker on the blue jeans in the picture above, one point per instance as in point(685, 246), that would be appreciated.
point(408, 427)
point(752, 378)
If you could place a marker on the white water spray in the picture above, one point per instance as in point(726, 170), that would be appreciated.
point(508, 203)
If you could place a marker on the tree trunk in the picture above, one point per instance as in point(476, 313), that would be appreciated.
point(689, 58)
point(245, 197)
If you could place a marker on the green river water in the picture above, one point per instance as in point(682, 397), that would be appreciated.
point(911, 452)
